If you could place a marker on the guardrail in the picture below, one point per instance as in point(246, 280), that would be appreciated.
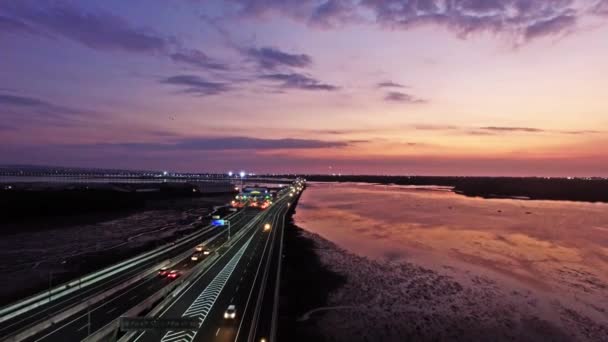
point(62, 290)
point(77, 307)
point(170, 295)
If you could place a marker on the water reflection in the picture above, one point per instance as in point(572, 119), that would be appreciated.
point(545, 245)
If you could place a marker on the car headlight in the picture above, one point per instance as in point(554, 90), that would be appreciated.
point(233, 315)
point(225, 315)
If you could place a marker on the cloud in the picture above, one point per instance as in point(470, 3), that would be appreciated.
point(298, 81)
point(512, 129)
point(395, 96)
point(221, 144)
point(271, 58)
point(390, 84)
point(98, 30)
point(521, 19)
point(192, 84)
point(551, 26)
point(601, 8)
point(8, 24)
point(197, 59)
point(23, 107)
point(582, 132)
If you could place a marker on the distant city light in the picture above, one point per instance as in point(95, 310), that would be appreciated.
point(242, 174)
point(230, 173)
point(165, 173)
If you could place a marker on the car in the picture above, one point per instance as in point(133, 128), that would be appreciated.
point(230, 312)
point(206, 252)
point(267, 227)
point(173, 274)
point(196, 257)
point(199, 248)
point(163, 271)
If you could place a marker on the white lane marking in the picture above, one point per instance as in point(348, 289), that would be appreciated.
point(110, 311)
point(133, 297)
point(82, 327)
point(217, 332)
point(202, 305)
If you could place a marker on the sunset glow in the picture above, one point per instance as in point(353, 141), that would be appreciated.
point(501, 87)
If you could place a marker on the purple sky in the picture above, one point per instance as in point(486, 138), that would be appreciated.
point(441, 87)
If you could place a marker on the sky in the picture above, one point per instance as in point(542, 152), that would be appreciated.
point(415, 87)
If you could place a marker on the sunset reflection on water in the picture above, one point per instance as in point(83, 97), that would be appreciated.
point(552, 246)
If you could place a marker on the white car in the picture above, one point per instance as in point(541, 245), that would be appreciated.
point(230, 313)
point(199, 248)
point(196, 257)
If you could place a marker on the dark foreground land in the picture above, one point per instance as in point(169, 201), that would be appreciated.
point(52, 235)
point(305, 285)
point(564, 189)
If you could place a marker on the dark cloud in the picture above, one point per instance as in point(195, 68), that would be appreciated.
point(390, 84)
point(555, 25)
point(271, 58)
point(193, 84)
point(582, 132)
point(512, 129)
point(298, 81)
point(222, 144)
point(333, 13)
point(197, 59)
point(22, 105)
point(524, 19)
point(98, 30)
point(395, 96)
point(8, 24)
point(601, 8)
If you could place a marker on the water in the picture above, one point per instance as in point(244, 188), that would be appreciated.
point(557, 250)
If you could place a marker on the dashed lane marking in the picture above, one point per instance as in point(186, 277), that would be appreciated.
point(202, 305)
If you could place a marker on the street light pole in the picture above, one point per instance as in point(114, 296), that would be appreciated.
point(242, 174)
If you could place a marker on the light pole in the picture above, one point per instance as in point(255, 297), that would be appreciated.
point(242, 174)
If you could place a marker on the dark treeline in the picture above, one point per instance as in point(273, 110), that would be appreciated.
point(589, 190)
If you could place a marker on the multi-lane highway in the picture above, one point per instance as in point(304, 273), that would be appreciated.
point(245, 276)
point(115, 304)
point(242, 271)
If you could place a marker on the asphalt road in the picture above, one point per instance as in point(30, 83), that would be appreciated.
point(243, 276)
point(76, 327)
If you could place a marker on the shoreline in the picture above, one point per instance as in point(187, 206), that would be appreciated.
point(397, 301)
point(552, 189)
point(306, 284)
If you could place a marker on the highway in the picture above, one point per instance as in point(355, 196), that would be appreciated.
point(243, 271)
point(111, 307)
point(244, 276)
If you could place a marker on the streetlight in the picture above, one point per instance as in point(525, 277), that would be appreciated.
point(242, 174)
point(230, 173)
